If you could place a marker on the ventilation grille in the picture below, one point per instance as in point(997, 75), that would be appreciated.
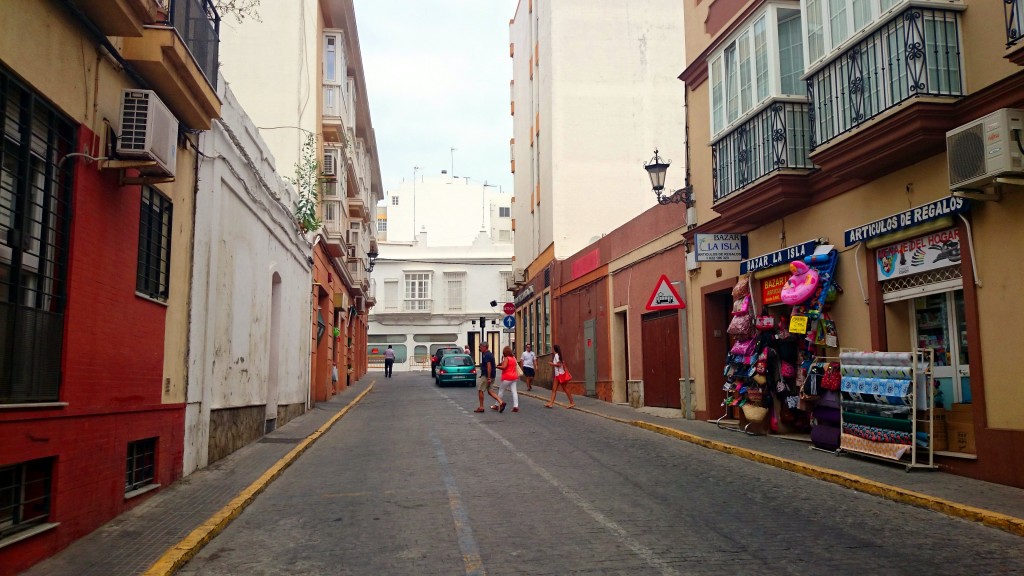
point(966, 151)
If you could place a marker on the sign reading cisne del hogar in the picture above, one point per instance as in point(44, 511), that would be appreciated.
point(720, 247)
point(906, 219)
point(773, 259)
point(928, 252)
point(771, 289)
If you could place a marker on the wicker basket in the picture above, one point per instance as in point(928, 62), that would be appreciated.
point(754, 413)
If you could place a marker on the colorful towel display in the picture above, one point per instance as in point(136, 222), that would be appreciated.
point(877, 421)
point(877, 358)
point(873, 371)
point(880, 449)
point(880, 390)
point(876, 434)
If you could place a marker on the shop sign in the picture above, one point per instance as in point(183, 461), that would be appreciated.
point(907, 219)
point(524, 296)
point(798, 325)
point(771, 289)
point(720, 247)
point(773, 259)
point(928, 252)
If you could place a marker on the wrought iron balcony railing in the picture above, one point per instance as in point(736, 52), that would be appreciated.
point(917, 53)
point(777, 137)
point(198, 24)
point(1014, 11)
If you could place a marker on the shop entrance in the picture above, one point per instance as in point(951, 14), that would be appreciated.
point(939, 324)
point(660, 334)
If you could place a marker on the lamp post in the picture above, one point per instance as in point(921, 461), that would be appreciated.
point(656, 169)
point(372, 256)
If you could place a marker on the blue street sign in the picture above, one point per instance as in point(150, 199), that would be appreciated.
point(509, 322)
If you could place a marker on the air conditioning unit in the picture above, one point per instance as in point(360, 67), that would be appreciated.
point(148, 131)
point(519, 275)
point(330, 164)
point(981, 151)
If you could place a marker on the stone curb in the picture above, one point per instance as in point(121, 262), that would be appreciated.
point(176, 556)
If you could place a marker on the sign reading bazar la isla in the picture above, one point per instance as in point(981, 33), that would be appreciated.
point(771, 289)
point(720, 247)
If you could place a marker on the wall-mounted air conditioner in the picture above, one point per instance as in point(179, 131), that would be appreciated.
point(981, 151)
point(148, 131)
point(330, 163)
point(519, 275)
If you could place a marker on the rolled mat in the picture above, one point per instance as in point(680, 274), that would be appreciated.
point(877, 421)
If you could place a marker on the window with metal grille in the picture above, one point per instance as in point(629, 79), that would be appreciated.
point(35, 193)
point(154, 269)
point(25, 495)
point(504, 212)
point(140, 465)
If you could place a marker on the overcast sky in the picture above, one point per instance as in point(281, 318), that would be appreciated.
point(437, 73)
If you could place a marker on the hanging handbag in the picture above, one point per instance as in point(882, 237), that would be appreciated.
point(742, 326)
point(564, 377)
point(744, 347)
point(832, 379)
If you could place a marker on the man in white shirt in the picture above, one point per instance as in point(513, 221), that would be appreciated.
point(528, 361)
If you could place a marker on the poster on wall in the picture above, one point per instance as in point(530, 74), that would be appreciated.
point(771, 289)
point(921, 254)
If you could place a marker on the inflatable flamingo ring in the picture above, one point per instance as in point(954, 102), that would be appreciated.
point(801, 284)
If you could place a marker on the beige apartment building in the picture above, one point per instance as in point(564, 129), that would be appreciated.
point(891, 131)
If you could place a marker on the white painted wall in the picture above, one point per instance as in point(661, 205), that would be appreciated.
point(606, 92)
point(244, 236)
point(273, 67)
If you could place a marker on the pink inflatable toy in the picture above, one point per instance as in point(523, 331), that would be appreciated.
point(800, 285)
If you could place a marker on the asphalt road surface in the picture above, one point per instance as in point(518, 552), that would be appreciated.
point(412, 481)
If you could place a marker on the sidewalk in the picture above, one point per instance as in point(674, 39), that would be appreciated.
point(162, 533)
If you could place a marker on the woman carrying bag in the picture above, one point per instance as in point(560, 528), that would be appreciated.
point(562, 377)
point(509, 369)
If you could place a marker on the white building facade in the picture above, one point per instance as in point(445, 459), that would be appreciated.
point(437, 289)
point(248, 341)
point(593, 93)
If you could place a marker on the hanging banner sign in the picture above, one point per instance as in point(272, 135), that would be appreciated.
point(928, 252)
point(720, 247)
point(907, 219)
point(524, 296)
point(771, 289)
point(773, 259)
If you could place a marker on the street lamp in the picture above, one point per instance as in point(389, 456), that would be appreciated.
point(372, 255)
point(656, 169)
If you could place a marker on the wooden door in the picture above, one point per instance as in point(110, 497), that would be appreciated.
point(660, 338)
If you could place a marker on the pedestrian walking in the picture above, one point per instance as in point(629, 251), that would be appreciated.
point(509, 377)
point(334, 375)
point(389, 361)
point(486, 380)
point(529, 363)
point(559, 380)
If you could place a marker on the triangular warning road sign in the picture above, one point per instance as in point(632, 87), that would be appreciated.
point(665, 296)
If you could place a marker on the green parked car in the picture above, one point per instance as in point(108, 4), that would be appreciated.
point(456, 369)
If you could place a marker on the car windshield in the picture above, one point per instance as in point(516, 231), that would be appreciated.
point(459, 360)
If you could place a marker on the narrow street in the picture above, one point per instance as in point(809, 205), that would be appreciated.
point(411, 481)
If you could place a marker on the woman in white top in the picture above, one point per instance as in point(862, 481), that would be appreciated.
point(555, 384)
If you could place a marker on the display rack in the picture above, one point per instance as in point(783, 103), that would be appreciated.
point(886, 399)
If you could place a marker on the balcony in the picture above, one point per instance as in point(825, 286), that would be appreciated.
point(337, 111)
point(776, 138)
point(1014, 14)
point(179, 59)
point(119, 17)
point(915, 54)
point(357, 209)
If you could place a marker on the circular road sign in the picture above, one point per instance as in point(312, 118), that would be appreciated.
point(509, 322)
point(509, 308)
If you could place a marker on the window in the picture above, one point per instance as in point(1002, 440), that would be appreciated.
point(382, 225)
point(504, 211)
point(25, 495)
point(391, 294)
point(35, 195)
point(755, 67)
point(387, 338)
point(140, 465)
point(831, 23)
point(330, 211)
point(394, 200)
point(504, 235)
point(417, 291)
point(154, 268)
point(547, 321)
point(377, 350)
point(335, 64)
point(456, 282)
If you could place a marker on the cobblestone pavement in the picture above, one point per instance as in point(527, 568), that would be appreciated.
point(411, 481)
